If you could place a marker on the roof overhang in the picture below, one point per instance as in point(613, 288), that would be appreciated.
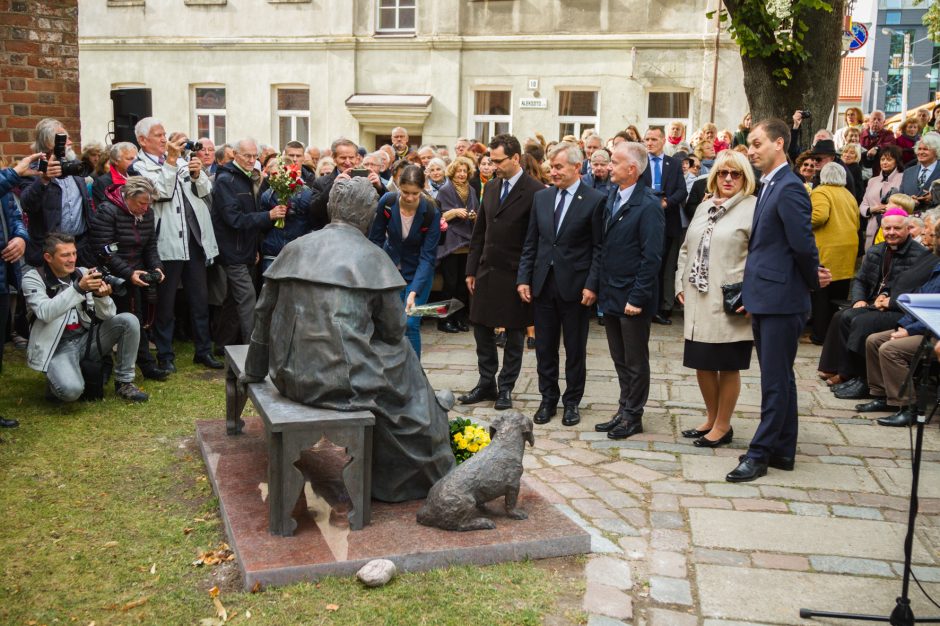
point(378, 113)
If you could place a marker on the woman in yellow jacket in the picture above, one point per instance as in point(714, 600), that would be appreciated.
point(835, 226)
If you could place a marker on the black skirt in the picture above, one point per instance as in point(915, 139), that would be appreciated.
point(717, 357)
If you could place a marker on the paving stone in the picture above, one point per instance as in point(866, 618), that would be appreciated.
point(840, 460)
point(594, 483)
point(665, 519)
point(664, 502)
point(603, 620)
point(608, 601)
point(664, 617)
point(677, 487)
point(780, 561)
point(570, 490)
point(810, 509)
point(847, 565)
point(840, 477)
point(634, 548)
point(556, 461)
point(659, 466)
point(880, 501)
point(671, 564)
point(636, 517)
point(865, 453)
point(646, 455)
point(575, 471)
point(670, 590)
point(609, 571)
point(544, 490)
point(858, 512)
point(705, 503)
point(758, 504)
point(674, 540)
point(898, 480)
point(632, 471)
point(682, 449)
point(831, 497)
point(774, 532)
point(592, 508)
point(617, 526)
point(584, 457)
point(618, 499)
point(785, 493)
point(719, 557)
point(924, 574)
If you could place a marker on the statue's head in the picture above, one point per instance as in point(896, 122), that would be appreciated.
point(353, 202)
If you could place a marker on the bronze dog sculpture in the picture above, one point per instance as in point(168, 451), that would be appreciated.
point(456, 500)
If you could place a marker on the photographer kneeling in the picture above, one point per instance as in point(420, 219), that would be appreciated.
point(63, 298)
point(125, 219)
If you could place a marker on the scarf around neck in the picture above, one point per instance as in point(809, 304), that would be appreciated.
point(698, 273)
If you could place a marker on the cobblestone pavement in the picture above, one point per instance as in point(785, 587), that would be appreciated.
point(674, 544)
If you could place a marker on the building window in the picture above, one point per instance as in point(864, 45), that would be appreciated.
point(396, 16)
point(492, 114)
point(209, 113)
point(893, 80)
point(892, 17)
point(577, 112)
point(293, 115)
point(664, 107)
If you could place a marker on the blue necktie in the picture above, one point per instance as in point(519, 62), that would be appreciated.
point(505, 192)
point(559, 208)
point(613, 212)
point(657, 174)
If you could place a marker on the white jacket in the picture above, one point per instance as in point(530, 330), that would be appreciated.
point(171, 183)
point(51, 314)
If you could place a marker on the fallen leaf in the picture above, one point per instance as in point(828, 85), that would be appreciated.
point(214, 592)
point(247, 613)
point(134, 604)
point(256, 588)
point(153, 568)
point(187, 530)
point(110, 544)
point(332, 607)
point(219, 609)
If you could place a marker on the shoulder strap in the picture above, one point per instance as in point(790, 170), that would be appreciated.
point(389, 198)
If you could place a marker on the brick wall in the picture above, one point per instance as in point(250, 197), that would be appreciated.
point(38, 70)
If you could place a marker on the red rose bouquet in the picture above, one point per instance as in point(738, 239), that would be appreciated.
point(286, 181)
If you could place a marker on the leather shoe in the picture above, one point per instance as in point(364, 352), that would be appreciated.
point(705, 442)
point(660, 319)
point(695, 434)
point(607, 426)
point(168, 365)
point(503, 401)
point(208, 361)
point(462, 326)
point(858, 390)
point(571, 417)
point(600, 320)
point(904, 417)
point(747, 470)
point(501, 339)
point(447, 326)
point(626, 428)
point(842, 385)
point(8, 423)
point(478, 394)
point(874, 406)
point(154, 373)
point(784, 463)
point(546, 411)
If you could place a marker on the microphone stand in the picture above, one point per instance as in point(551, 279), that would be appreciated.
point(902, 615)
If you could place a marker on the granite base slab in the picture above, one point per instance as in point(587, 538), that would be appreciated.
point(324, 545)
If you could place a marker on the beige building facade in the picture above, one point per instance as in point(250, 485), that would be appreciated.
point(314, 70)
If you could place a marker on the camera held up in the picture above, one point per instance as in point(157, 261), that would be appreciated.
point(70, 167)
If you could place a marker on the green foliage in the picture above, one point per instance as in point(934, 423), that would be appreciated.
point(932, 19)
point(773, 29)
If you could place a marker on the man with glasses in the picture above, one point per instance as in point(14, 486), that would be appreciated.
point(239, 223)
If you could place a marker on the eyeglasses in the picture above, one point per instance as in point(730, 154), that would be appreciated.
point(245, 155)
point(498, 161)
point(734, 174)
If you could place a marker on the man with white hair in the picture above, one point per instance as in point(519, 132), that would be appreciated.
point(918, 180)
point(206, 153)
point(400, 143)
point(185, 237)
point(592, 143)
point(461, 146)
point(374, 162)
point(873, 140)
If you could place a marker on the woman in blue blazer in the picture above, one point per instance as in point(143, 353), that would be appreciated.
point(407, 226)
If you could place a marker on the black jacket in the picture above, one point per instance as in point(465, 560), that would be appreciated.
point(672, 183)
point(237, 216)
point(43, 207)
point(136, 239)
point(319, 216)
point(868, 280)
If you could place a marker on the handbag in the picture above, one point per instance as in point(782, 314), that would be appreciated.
point(731, 298)
point(96, 371)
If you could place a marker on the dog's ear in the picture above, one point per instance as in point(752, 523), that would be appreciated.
point(495, 424)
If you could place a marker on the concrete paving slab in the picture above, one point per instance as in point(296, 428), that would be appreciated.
point(777, 532)
point(805, 476)
point(880, 437)
point(897, 480)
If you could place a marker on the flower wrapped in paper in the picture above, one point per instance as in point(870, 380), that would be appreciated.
point(436, 309)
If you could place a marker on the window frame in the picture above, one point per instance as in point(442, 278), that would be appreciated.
point(292, 114)
point(579, 120)
point(211, 113)
point(665, 121)
point(397, 30)
point(490, 120)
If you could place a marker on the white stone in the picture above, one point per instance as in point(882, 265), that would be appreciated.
point(376, 573)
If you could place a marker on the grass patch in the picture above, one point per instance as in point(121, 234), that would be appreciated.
point(106, 505)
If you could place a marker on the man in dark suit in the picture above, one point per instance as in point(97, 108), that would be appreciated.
point(782, 267)
point(492, 265)
point(346, 155)
point(558, 273)
point(664, 177)
point(918, 179)
point(629, 297)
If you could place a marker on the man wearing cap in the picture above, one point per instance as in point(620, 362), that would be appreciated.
point(824, 151)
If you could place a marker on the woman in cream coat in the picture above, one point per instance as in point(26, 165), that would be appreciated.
point(717, 345)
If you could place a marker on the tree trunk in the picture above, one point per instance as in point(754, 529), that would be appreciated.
point(815, 83)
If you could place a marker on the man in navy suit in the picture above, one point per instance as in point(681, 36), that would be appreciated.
point(918, 179)
point(629, 297)
point(559, 272)
point(665, 178)
point(782, 267)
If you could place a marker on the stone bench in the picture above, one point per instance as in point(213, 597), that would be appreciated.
point(291, 427)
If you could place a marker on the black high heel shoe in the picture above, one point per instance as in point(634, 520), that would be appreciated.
point(702, 442)
point(695, 434)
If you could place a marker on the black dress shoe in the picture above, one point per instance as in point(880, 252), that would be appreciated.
point(218, 351)
point(858, 390)
point(605, 427)
point(747, 470)
point(874, 406)
point(463, 326)
point(704, 442)
point(600, 320)
point(447, 326)
point(572, 416)
point(842, 385)
point(208, 361)
point(660, 319)
point(501, 339)
point(478, 394)
point(626, 428)
point(8, 423)
point(695, 434)
point(785, 463)
point(168, 365)
point(503, 401)
point(546, 411)
point(904, 417)
point(530, 343)
point(153, 372)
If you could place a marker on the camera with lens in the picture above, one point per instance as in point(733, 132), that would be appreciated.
point(192, 146)
point(103, 257)
point(70, 167)
point(152, 279)
point(806, 115)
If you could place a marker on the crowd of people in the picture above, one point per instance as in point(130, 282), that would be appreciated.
point(746, 232)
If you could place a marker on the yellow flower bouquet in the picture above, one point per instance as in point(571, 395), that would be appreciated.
point(467, 438)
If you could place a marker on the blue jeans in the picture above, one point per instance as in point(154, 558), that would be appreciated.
point(413, 328)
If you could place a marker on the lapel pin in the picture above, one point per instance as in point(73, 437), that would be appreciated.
point(579, 197)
